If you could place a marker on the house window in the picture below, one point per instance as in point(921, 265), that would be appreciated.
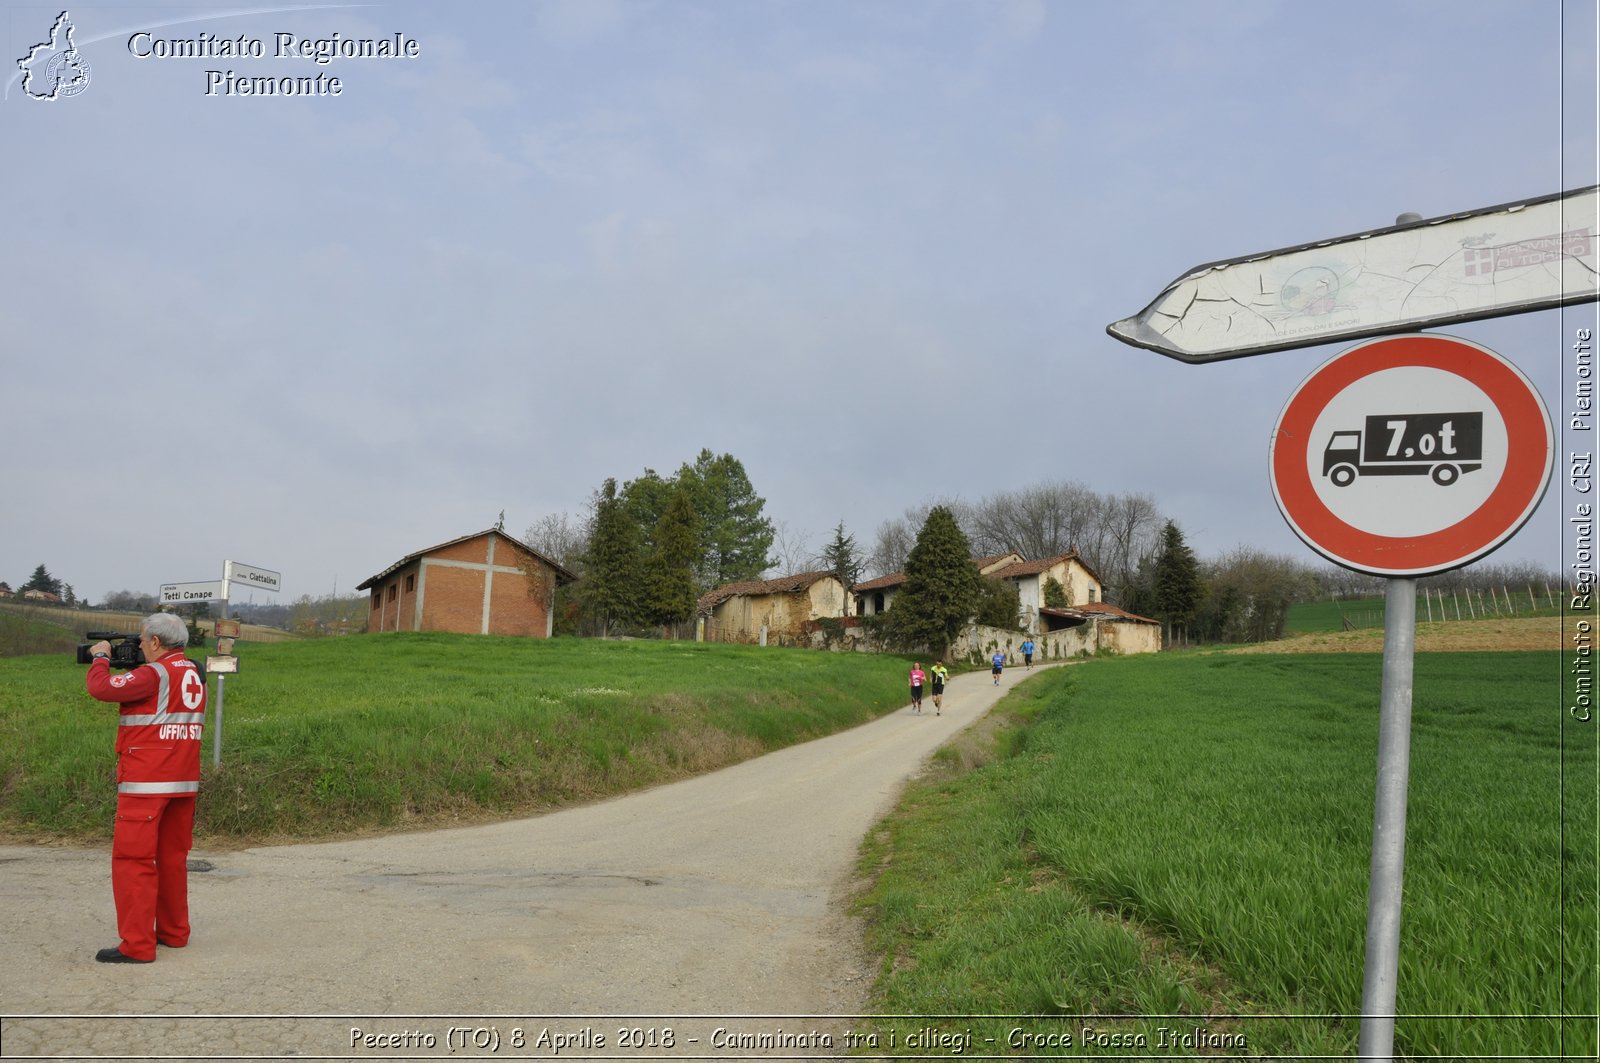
point(1094, 593)
point(394, 589)
point(411, 583)
point(377, 600)
point(877, 602)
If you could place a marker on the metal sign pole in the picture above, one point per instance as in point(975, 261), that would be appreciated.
point(1389, 823)
point(216, 723)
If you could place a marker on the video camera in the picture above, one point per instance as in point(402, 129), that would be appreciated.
point(125, 651)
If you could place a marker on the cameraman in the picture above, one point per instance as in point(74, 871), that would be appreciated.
point(158, 775)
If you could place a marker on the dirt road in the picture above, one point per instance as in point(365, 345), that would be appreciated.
point(717, 896)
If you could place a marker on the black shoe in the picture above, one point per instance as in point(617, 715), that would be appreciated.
point(116, 955)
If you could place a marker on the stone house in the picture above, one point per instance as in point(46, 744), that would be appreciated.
point(1076, 631)
point(1081, 583)
point(486, 583)
point(775, 609)
point(1109, 628)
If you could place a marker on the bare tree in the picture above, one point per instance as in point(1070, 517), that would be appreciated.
point(791, 550)
point(896, 537)
point(560, 537)
point(895, 540)
point(1038, 522)
point(1132, 526)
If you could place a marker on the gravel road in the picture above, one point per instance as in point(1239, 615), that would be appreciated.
point(718, 896)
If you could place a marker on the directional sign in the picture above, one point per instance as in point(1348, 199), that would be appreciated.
point(190, 593)
point(261, 579)
point(1411, 455)
point(1510, 259)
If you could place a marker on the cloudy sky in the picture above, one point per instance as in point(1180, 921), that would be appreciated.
point(870, 248)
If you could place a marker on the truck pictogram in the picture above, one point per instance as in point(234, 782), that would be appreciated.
point(1438, 445)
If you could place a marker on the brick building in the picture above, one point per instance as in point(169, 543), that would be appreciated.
point(486, 583)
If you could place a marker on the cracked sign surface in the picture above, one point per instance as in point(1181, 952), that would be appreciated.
point(1511, 259)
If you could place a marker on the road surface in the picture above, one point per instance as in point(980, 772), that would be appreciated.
point(718, 896)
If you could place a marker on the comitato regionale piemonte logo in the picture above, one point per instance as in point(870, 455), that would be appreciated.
point(55, 69)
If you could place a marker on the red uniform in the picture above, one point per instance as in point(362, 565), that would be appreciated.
point(158, 775)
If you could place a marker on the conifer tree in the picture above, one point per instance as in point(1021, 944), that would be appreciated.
point(41, 580)
point(736, 535)
point(670, 563)
point(1179, 587)
point(612, 568)
point(941, 589)
point(840, 558)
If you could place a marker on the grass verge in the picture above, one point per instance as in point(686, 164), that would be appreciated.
point(1174, 857)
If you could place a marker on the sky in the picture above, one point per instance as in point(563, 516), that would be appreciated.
point(870, 248)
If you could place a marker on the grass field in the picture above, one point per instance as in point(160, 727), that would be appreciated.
point(1343, 613)
point(379, 731)
point(1187, 838)
point(1176, 843)
point(30, 628)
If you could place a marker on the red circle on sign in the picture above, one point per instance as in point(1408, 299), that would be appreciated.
point(1512, 501)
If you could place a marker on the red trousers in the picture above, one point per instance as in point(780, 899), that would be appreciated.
point(150, 871)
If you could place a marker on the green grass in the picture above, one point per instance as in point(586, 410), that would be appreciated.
point(21, 634)
point(1333, 615)
point(1190, 836)
point(400, 730)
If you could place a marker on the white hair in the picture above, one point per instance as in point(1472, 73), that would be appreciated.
point(171, 630)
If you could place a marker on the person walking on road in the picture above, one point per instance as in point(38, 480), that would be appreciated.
point(941, 676)
point(999, 662)
point(1027, 652)
point(917, 677)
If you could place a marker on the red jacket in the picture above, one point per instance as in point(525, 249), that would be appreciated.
point(163, 708)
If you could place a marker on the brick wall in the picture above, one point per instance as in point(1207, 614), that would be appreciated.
point(450, 583)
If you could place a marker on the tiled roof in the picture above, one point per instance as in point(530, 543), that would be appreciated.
point(794, 584)
point(1034, 568)
point(562, 575)
point(894, 579)
point(1106, 609)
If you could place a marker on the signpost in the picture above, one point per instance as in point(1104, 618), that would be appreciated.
point(224, 663)
point(1511, 259)
point(193, 593)
point(1404, 456)
point(259, 578)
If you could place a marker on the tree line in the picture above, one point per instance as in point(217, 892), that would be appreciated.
point(649, 547)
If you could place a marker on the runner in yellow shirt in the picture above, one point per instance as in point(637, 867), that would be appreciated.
point(941, 676)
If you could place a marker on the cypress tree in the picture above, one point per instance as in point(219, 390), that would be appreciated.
point(1179, 588)
point(613, 566)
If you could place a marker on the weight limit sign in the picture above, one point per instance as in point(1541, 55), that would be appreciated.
point(1411, 455)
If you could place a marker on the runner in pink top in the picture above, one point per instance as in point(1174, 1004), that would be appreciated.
point(917, 678)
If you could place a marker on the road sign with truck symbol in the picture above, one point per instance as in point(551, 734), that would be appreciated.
point(1411, 455)
point(1440, 446)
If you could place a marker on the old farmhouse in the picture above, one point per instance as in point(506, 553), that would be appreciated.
point(486, 583)
point(1080, 583)
point(774, 609)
